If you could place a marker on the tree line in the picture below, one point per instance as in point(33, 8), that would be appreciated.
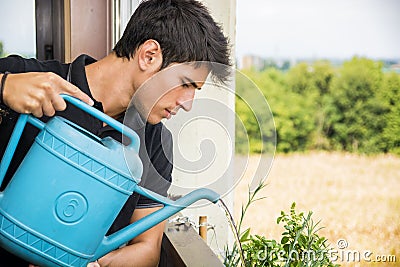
point(354, 107)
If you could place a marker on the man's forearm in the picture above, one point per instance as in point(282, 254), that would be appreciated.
point(142, 251)
point(139, 254)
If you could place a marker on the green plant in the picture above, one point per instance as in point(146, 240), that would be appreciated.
point(299, 246)
point(231, 257)
point(301, 243)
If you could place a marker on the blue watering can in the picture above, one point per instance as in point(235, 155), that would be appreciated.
point(68, 190)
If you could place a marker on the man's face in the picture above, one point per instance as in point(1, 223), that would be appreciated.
point(169, 90)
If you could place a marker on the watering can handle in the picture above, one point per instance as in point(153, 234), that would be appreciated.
point(24, 118)
point(105, 118)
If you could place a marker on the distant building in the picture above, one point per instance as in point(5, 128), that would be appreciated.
point(395, 68)
point(253, 62)
point(259, 63)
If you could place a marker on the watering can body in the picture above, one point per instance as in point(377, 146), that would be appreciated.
point(68, 190)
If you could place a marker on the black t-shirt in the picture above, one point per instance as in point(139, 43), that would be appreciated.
point(155, 140)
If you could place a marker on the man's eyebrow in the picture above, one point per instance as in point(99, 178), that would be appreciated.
point(192, 83)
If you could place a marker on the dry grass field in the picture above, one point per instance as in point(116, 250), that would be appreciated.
point(356, 198)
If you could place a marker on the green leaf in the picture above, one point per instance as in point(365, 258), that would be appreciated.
point(284, 240)
point(245, 236)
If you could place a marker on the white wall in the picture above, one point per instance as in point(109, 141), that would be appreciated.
point(209, 136)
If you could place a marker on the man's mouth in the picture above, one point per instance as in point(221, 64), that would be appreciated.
point(168, 114)
point(171, 112)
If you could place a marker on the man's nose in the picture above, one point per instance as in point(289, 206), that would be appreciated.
point(186, 101)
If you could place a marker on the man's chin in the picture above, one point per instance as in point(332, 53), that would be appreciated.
point(153, 120)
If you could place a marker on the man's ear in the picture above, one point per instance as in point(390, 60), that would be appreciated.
point(150, 56)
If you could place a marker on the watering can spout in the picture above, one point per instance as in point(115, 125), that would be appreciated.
point(171, 207)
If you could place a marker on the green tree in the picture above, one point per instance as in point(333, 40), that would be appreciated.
point(299, 78)
point(254, 123)
point(294, 119)
point(355, 114)
point(311, 82)
point(320, 82)
point(292, 112)
point(390, 94)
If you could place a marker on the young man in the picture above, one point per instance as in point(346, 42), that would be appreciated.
point(160, 35)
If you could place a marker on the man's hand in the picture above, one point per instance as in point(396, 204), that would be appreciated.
point(93, 264)
point(39, 93)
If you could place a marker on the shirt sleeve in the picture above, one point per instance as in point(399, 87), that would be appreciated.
point(18, 64)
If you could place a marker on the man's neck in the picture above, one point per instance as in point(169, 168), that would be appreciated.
point(109, 82)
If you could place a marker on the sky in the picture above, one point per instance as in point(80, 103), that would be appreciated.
point(271, 28)
point(318, 28)
point(17, 26)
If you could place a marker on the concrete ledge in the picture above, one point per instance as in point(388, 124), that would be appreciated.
point(182, 246)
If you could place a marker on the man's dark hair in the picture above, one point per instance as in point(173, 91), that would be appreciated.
point(186, 33)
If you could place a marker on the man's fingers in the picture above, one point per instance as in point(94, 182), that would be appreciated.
point(93, 264)
point(72, 90)
point(48, 109)
point(38, 113)
point(33, 106)
point(39, 93)
point(58, 102)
